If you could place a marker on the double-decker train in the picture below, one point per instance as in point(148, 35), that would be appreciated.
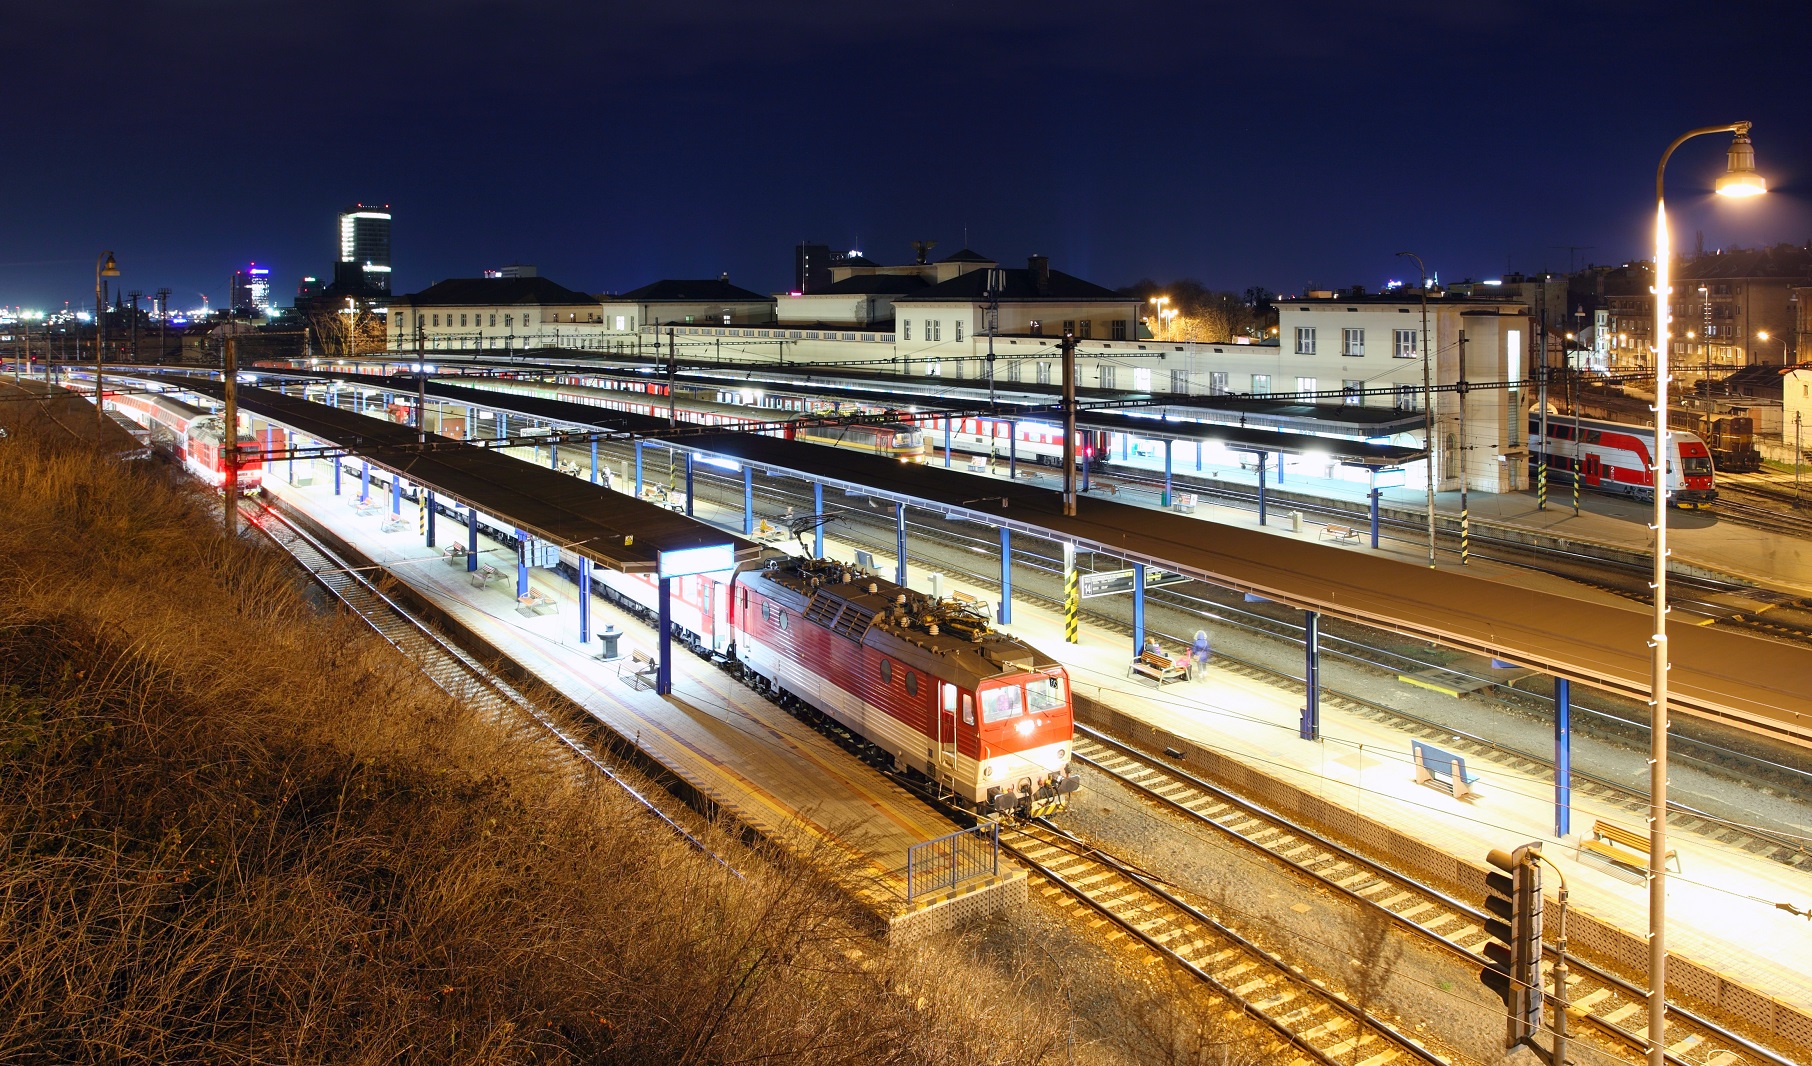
point(1617, 457)
point(190, 435)
point(983, 714)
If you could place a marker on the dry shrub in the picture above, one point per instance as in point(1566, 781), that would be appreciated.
point(236, 829)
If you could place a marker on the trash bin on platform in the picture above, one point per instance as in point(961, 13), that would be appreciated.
point(1296, 521)
point(608, 638)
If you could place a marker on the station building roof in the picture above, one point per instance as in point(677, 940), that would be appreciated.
point(612, 529)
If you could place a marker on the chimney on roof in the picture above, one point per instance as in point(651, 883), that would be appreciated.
point(1039, 266)
point(725, 277)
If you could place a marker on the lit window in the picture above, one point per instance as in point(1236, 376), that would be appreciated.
point(1405, 344)
point(1351, 392)
point(1261, 384)
point(1352, 342)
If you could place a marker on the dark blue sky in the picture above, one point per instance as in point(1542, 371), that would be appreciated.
point(1281, 145)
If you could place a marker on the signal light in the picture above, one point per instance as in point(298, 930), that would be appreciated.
point(1513, 957)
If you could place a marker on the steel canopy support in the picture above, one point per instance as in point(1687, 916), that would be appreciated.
point(594, 460)
point(336, 475)
point(1165, 502)
point(1563, 756)
point(899, 533)
point(688, 484)
point(396, 495)
point(748, 500)
point(1072, 594)
point(1013, 451)
point(471, 541)
point(364, 481)
point(818, 519)
point(1262, 457)
point(521, 564)
point(638, 469)
point(1374, 496)
point(1004, 614)
point(663, 667)
point(1311, 648)
point(584, 600)
point(946, 442)
point(428, 516)
point(1138, 608)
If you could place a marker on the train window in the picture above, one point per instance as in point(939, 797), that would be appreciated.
point(1696, 465)
point(886, 672)
point(968, 709)
point(783, 624)
point(1000, 704)
point(1046, 694)
point(947, 696)
point(912, 683)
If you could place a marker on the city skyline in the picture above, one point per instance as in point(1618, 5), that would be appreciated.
point(1211, 144)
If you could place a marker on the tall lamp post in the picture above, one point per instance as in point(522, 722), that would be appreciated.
point(104, 267)
point(1427, 406)
point(1740, 179)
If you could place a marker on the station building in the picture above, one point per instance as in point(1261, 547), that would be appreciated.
point(494, 314)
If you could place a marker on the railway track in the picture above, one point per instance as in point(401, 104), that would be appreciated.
point(448, 666)
point(1304, 1015)
point(1608, 1004)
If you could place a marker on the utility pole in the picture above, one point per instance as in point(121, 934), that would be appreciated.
point(672, 420)
point(1797, 455)
point(1428, 423)
point(993, 313)
point(421, 389)
point(1069, 424)
point(1465, 514)
point(134, 295)
point(163, 324)
point(229, 436)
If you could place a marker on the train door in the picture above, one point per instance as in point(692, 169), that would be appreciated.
point(948, 696)
point(1594, 470)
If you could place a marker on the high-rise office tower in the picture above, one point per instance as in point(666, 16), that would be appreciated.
point(364, 263)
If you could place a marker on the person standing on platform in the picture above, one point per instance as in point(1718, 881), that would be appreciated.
point(1200, 653)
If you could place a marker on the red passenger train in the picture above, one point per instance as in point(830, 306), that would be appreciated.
point(1617, 457)
point(190, 435)
point(981, 713)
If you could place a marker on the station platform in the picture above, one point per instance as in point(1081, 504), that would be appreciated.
point(1696, 538)
point(770, 771)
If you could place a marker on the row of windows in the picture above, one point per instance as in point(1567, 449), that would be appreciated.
point(476, 320)
point(1404, 342)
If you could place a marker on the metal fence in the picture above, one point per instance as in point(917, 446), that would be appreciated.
point(950, 860)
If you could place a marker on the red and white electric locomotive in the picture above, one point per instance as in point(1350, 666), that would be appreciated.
point(191, 435)
point(1616, 457)
point(984, 714)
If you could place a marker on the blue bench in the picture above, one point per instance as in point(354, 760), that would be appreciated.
point(1442, 770)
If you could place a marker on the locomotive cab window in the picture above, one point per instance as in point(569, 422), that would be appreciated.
point(1000, 704)
point(1696, 465)
point(1046, 694)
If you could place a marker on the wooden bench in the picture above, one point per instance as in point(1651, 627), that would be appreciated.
point(394, 524)
point(1184, 503)
point(1343, 534)
point(364, 507)
point(1442, 770)
point(1160, 668)
point(642, 669)
point(536, 602)
point(455, 555)
point(1609, 839)
point(486, 575)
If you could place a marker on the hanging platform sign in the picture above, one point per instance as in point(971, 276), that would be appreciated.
point(1114, 582)
point(706, 560)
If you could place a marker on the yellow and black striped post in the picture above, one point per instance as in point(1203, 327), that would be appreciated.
point(421, 513)
point(1541, 484)
point(1465, 534)
point(1072, 594)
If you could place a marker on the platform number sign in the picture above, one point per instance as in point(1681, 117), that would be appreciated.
point(1513, 955)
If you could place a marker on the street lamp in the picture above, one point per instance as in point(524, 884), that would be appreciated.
point(104, 267)
point(1158, 312)
point(1740, 179)
point(1427, 407)
point(1763, 335)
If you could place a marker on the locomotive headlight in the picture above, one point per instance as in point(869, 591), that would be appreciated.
point(1025, 728)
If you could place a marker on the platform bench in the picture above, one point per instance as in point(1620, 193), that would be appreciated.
point(537, 602)
point(455, 555)
point(485, 575)
point(394, 524)
point(1160, 668)
point(1442, 770)
point(1609, 839)
point(642, 669)
point(1343, 534)
point(1184, 503)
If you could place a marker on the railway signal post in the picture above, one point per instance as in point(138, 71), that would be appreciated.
point(1310, 728)
point(1513, 956)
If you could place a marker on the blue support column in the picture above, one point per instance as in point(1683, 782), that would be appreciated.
point(1261, 487)
point(1374, 495)
point(1280, 470)
point(663, 674)
point(503, 425)
point(336, 475)
point(1198, 456)
point(364, 481)
point(594, 460)
point(396, 495)
point(818, 519)
point(1138, 608)
point(899, 534)
point(1311, 675)
point(946, 442)
point(1005, 613)
point(688, 484)
point(553, 456)
point(429, 515)
point(1125, 446)
point(1013, 451)
point(521, 564)
point(638, 469)
point(1563, 757)
point(1085, 465)
point(748, 500)
point(584, 600)
point(471, 541)
point(1165, 501)
point(293, 444)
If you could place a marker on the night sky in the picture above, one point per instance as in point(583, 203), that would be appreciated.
point(1287, 145)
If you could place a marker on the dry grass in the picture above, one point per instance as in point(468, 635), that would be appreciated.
point(236, 829)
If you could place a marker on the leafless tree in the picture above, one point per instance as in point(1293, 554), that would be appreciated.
point(1376, 953)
